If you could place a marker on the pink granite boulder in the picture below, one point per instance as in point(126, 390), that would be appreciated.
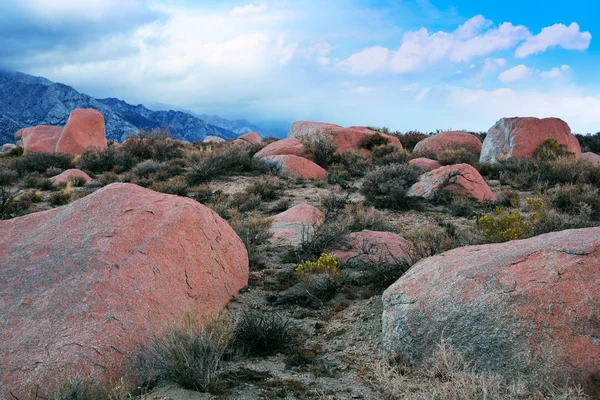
point(84, 129)
point(69, 176)
point(289, 226)
point(39, 139)
point(282, 147)
point(298, 167)
point(450, 140)
point(425, 164)
point(460, 179)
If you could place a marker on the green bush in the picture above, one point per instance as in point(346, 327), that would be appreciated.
point(550, 149)
point(156, 144)
point(40, 162)
point(110, 159)
point(320, 148)
point(410, 139)
point(502, 226)
point(571, 198)
point(268, 188)
point(177, 186)
point(387, 186)
point(457, 156)
point(371, 141)
point(325, 264)
point(223, 163)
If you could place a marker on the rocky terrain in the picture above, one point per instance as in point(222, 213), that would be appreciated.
point(27, 100)
point(339, 263)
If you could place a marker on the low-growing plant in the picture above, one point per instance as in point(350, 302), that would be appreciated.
point(502, 226)
point(410, 139)
point(320, 148)
point(177, 186)
point(40, 162)
point(9, 192)
point(369, 142)
point(429, 241)
point(325, 264)
point(245, 202)
point(190, 352)
point(388, 186)
point(145, 168)
point(571, 198)
point(261, 333)
point(457, 156)
point(62, 197)
point(550, 149)
point(218, 164)
point(362, 217)
point(268, 188)
point(386, 155)
point(156, 144)
point(253, 231)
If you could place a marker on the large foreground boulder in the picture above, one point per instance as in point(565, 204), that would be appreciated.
point(291, 146)
point(450, 140)
point(83, 286)
point(297, 167)
point(521, 309)
point(521, 137)
point(344, 138)
point(460, 179)
point(291, 225)
point(38, 139)
point(84, 129)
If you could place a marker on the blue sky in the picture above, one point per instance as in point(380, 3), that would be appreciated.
point(405, 64)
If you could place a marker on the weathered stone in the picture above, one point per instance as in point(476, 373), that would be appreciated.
point(38, 139)
point(459, 179)
point(298, 167)
point(291, 147)
point(84, 130)
point(372, 247)
point(290, 225)
point(68, 175)
point(450, 140)
point(425, 164)
point(84, 285)
point(523, 309)
point(521, 137)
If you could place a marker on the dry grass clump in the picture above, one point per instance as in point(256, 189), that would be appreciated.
point(261, 333)
point(253, 231)
point(320, 148)
point(458, 155)
point(448, 377)
point(190, 352)
point(177, 186)
point(267, 188)
point(82, 388)
point(41, 162)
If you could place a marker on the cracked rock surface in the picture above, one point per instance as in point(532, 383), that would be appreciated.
point(521, 308)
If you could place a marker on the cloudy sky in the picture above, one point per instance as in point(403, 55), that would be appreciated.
point(405, 64)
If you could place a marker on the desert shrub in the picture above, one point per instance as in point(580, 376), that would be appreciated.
point(410, 139)
point(77, 181)
point(546, 219)
point(109, 159)
point(245, 202)
point(385, 155)
point(62, 197)
point(32, 196)
point(371, 141)
point(326, 234)
point(502, 226)
point(326, 263)
point(40, 162)
point(219, 203)
point(261, 333)
point(429, 241)
point(147, 167)
point(37, 182)
point(219, 164)
point(156, 144)
point(570, 198)
point(106, 178)
point(253, 231)
point(362, 217)
point(355, 163)
point(320, 148)
point(9, 192)
point(447, 376)
point(281, 205)
point(203, 193)
point(176, 186)
point(527, 173)
point(457, 156)
point(550, 149)
point(190, 353)
point(589, 142)
point(387, 186)
point(267, 188)
point(80, 388)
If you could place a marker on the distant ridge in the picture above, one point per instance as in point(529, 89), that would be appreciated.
point(27, 100)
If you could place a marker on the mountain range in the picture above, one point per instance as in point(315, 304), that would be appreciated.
point(27, 100)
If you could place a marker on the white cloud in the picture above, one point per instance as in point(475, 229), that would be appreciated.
point(249, 9)
point(555, 73)
point(521, 72)
point(476, 73)
point(421, 49)
point(567, 37)
point(318, 52)
point(367, 61)
point(516, 73)
point(422, 93)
